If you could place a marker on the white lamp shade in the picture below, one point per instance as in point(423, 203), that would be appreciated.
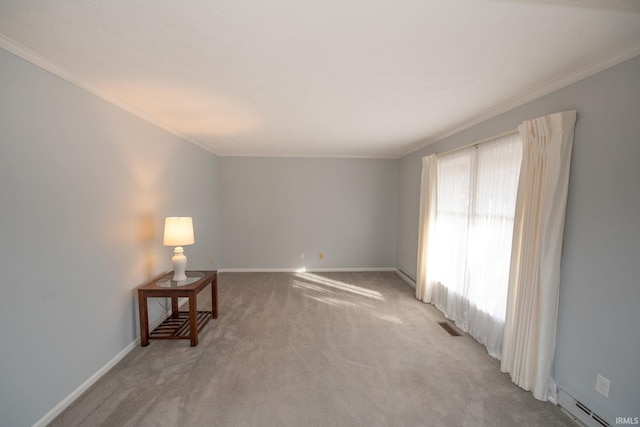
point(178, 231)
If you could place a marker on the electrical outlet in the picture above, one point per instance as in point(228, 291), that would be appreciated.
point(211, 261)
point(301, 255)
point(602, 385)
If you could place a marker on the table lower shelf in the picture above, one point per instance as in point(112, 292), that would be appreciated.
point(176, 326)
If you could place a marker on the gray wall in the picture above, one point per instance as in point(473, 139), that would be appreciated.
point(275, 208)
point(599, 314)
point(84, 189)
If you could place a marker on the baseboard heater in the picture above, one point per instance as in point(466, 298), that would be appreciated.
point(406, 276)
point(580, 412)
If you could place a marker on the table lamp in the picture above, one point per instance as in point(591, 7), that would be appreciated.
point(178, 231)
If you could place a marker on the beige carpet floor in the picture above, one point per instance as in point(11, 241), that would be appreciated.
point(324, 349)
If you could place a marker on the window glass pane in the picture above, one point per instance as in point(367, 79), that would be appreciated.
point(470, 256)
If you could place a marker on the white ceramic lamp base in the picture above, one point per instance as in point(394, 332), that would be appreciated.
point(179, 262)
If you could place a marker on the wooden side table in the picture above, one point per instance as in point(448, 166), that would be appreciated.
point(179, 324)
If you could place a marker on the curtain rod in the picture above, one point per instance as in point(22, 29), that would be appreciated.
point(482, 141)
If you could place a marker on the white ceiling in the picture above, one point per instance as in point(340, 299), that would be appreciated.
point(361, 78)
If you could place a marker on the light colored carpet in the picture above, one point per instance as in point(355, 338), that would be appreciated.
point(326, 349)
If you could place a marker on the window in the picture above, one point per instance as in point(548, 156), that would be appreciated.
point(469, 222)
point(471, 240)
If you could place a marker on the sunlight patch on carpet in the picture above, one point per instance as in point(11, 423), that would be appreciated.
point(339, 285)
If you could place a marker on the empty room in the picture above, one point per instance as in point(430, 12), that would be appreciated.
point(317, 213)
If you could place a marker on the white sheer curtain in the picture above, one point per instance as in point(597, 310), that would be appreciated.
point(428, 202)
point(464, 251)
point(532, 305)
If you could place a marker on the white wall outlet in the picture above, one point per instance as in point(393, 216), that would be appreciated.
point(301, 255)
point(602, 385)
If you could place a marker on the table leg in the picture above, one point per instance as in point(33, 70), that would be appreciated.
point(174, 306)
point(193, 325)
point(214, 297)
point(144, 319)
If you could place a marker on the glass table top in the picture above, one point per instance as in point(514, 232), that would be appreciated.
point(192, 277)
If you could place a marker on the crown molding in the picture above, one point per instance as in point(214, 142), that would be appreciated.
point(44, 63)
point(545, 89)
point(314, 156)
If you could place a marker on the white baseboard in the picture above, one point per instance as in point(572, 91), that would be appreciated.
point(64, 404)
point(296, 270)
point(257, 270)
point(49, 416)
point(328, 270)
